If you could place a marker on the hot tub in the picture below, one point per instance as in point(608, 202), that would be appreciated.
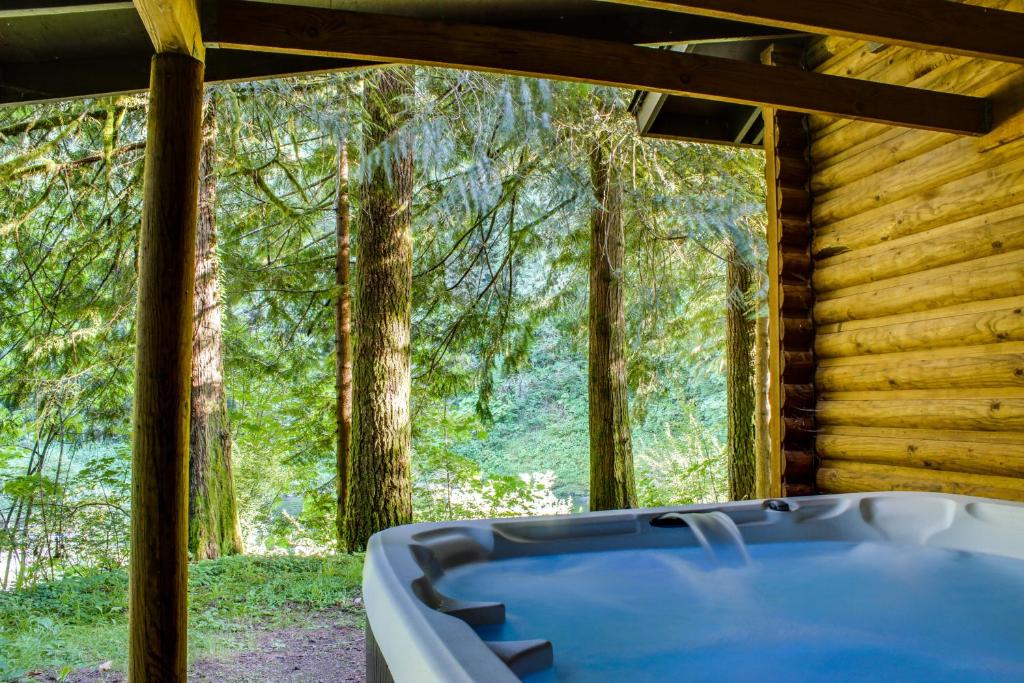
point(886, 586)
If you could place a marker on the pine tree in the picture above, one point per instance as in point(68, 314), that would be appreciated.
point(612, 483)
point(380, 483)
point(343, 335)
point(213, 513)
point(763, 446)
point(740, 397)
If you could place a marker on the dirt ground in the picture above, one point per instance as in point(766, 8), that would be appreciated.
point(325, 649)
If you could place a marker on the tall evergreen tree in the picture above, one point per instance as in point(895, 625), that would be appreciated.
point(612, 484)
point(763, 448)
point(740, 396)
point(343, 334)
point(213, 511)
point(380, 482)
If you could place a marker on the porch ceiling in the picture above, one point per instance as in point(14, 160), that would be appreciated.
point(688, 118)
point(58, 49)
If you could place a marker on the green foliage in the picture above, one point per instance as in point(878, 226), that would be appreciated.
point(82, 621)
point(501, 206)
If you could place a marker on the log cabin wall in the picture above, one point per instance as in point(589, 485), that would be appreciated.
point(791, 300)
point(918, 253)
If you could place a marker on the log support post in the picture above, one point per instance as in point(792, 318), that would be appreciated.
point(163, 358)
point(790, 295)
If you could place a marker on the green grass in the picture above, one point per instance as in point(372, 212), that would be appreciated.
point(82, 621)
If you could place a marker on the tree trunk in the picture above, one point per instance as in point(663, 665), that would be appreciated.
point(343, 336)
point(213, 528)
point(380, 480)
point(612, 483)
point(763, 447)
point(158, 587)
point(740, 380)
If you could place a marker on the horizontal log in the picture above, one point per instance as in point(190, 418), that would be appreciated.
point(993, 277)
point(924, 24)
point(797, 425)
point(797, 331)
point(387, 38)
point(947, 435)
point(993, 365)
point(983, 322)
point(982, 192)
point(957, 159)
point(836, 476)
point(795, 263)
point(797, 465)
point(797, 367)
point(796, 298)
point(973, 413)
point(980, 457)
point(792, 170)
point(856, 160)
point(793, 200)
point(800, 396)
point(791, 138)
point(984, 393)
point(972, 238)
point(795, 231)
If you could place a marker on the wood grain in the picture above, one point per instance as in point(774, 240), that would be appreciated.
point(930, 24)
point(385, 38)
point(173, 26)
point(837, 476)
point(158, 614)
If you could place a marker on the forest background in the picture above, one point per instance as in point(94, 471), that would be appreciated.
point(502, 201)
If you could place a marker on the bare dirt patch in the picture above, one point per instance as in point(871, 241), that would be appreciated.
point(324, 648)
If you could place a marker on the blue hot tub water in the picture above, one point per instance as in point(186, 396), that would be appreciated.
point(807, 611)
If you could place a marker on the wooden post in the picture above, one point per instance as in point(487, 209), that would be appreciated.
point(158, 615)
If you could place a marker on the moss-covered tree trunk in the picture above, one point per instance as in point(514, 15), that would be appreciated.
point(763, 445)
point(213, 528)
point(343, 335)
point(612, 484)
point(740, 401)
point(380, 480)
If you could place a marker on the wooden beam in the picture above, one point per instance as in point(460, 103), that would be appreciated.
point(13, 9)
point(158, 614)
point(336, 33)
point(54, 81)
point(173, 26)
point(969, 30)
point(746, 122)
point(647, 27)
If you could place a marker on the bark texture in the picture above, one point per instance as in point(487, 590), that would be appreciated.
point(763, 443)
point(740, 334)
point(343, 335)
point(213, 528)
point(158, 587)
point(612, 484)
point(380, 480)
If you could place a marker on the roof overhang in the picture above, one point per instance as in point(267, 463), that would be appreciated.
point(61, 49)
point(690, 119)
